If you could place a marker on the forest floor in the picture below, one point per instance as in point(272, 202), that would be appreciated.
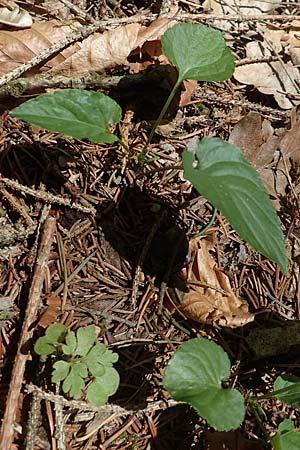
point(119, 239)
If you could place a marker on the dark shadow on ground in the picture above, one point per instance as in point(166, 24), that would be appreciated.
point(144, 230)
point(178, 429)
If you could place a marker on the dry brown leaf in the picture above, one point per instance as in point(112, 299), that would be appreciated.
point(210, 299)
point(101, 52)
point(154, 31)
point(275, 78)
point(255, 137)
point(16, 17)
point(51, 312)
point(290, 143)
point(96, 53)
point(251, 134)
point(18, 47)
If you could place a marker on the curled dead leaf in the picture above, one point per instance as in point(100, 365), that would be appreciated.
point(95, 54)
point(210, 299)
point(18, 18)
point(274, 78)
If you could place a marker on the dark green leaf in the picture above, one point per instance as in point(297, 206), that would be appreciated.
point(74, 112)
point(290, 397)
point(286, 438)
point(198, 52)
point(194, 375)
point(220, 173)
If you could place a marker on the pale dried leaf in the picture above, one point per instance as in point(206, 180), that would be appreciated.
point(16, 17)
point(96, 53)
point(100, 52)
point(210, 299)
point(275, 78)
point(287, 41)
point(242, 7)
point(189, 87)
point(18, 47)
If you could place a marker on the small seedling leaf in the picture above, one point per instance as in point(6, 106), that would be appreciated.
point(69, 347)
point(55, 332)
point(102, 387)
point(85, 340)
point(220, 173)
point(74, 112)
point(74, 382)
point(60, 372)
point(45, 345)
point(289, 397)
point(110, 380)
point(194, 375)
point(96, 393)
point(100, 358)
point(43, 348)
point(198, 52)
point(286, 438)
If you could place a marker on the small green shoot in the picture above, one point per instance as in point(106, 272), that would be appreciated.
point(199, 53)
point(46, 345)
point(195, 374)
point(80, 356)
point(74, 112)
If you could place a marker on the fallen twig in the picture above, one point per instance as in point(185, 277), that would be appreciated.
point(7, 430)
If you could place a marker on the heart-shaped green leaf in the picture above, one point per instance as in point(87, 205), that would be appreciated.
point(194, 375)
point(198, 52)
point(74, 112)
point(286, 438)
point(220, 173)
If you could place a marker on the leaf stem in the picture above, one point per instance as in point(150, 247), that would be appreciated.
point(212, 219)
point(287, 389)
point(163, 112)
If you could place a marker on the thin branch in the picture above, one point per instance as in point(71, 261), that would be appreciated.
point(7, 430)
point(107, 409)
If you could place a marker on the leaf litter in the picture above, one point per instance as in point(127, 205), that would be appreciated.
point(92, 273)
point(211, 299)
